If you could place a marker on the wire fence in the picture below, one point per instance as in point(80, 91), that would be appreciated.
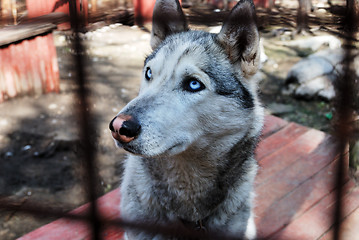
point(345, 106)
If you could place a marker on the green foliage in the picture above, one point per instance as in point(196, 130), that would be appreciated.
point(329, 115)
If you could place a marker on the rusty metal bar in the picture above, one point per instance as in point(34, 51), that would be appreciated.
point(345, 107)
point(85, 123)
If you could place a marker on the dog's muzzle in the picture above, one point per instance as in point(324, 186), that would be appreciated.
point(124, 128)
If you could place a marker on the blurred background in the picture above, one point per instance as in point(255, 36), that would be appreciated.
point(304, 53)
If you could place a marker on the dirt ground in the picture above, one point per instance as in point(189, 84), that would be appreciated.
point(39, 144)
point(40, 149)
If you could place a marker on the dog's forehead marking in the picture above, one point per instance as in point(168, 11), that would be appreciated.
point(201, 55)
point(181, 41)
point(177, 58)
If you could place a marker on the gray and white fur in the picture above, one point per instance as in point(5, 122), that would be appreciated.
point(193, 128)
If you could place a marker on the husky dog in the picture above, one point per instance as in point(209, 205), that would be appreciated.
point(193, 128)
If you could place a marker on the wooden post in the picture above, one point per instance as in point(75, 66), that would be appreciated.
point(8, 11)
point(144, 10)
point(353, 14)
point(302, 16)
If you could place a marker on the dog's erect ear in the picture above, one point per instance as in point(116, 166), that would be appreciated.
point(240, 38)
point(168, 18)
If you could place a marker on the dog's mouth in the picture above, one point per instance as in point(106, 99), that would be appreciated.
point(174, 147)
point(131, 149)
point(126, 146)
point(135, 149)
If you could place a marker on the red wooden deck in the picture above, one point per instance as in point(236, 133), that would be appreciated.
point(295, 189)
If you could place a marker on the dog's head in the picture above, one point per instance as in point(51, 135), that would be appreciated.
point(196, 90)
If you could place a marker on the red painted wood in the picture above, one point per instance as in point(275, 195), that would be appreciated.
point(296, 202)
point(53, 83)
point(284, 157)
point(261, 3)
point(319, 219)
point(279, 140)
point(144, 10)
point(292, 176)
point(231, 4)
point(64, 229)
point(272, 124)
point(36, 72)
point(9, 84)
point(112, 233)
point(349, 228)
point(36, 8)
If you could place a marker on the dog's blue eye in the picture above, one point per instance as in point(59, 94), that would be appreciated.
point(148, 74)
point(193, 85)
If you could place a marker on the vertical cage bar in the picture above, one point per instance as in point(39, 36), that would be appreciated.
point(344, 105)
point(85, 125)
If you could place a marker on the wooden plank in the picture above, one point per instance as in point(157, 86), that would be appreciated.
point(109, 233)
point(284, 157)
point(60, 229)
point(280, 139)
point(112, 233)
point(31, 28)
point(53, 17)
point(306, 165)
point(319, 219)
point(272, 124)
point(295, 203)
point(11, 34)
point(348, 229)
point(65, 229)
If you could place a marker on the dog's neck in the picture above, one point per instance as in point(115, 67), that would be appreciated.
point(201, 161)
point(194, 181)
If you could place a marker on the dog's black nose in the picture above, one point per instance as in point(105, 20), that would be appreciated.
point(125, 128)
point(130, 128)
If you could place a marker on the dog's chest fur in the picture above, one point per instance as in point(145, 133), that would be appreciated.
point(190, 186)
point(174, 189)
